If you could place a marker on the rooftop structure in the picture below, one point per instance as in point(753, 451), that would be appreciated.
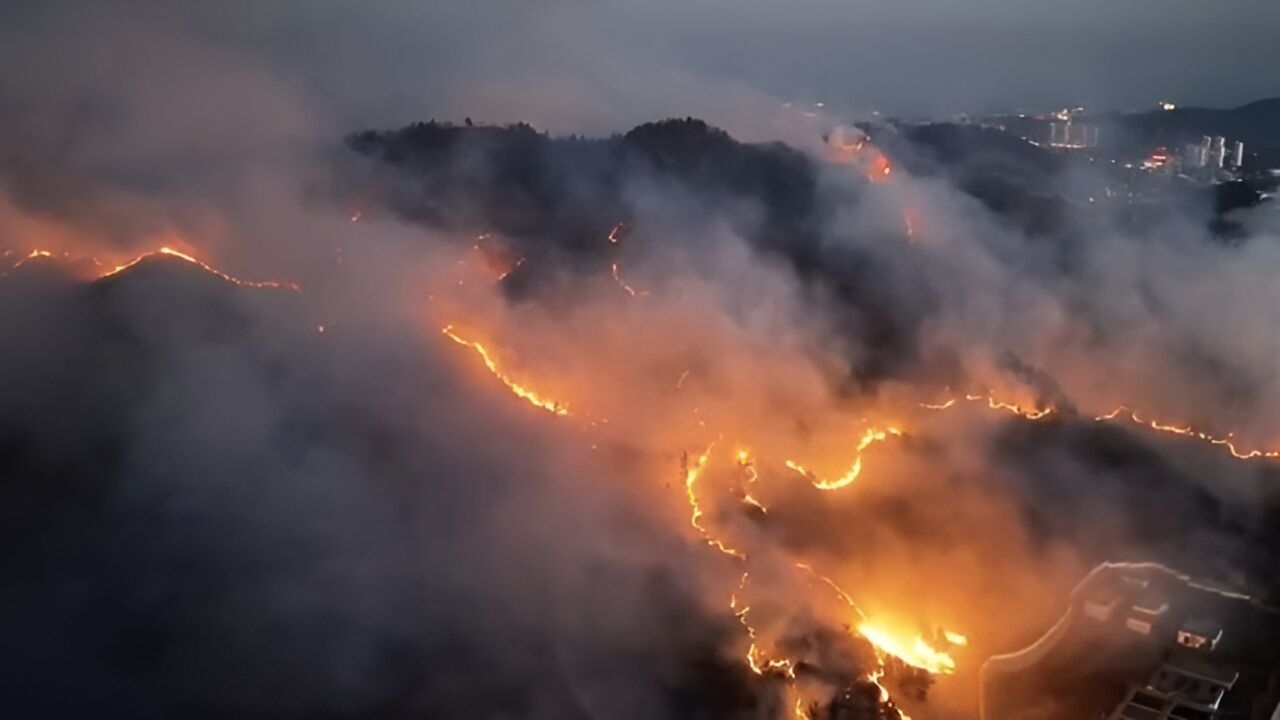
point(1200, 634)
point(1183, 688)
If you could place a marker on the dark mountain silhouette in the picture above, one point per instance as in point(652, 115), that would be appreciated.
point(526, 184)
point(1257, 124)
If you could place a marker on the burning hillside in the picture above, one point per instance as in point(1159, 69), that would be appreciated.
point(567, 411)
point(827, 516)
point(677, 458)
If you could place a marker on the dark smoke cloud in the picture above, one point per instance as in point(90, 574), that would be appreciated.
point(211, 509)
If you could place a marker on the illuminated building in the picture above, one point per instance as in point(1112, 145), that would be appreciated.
point(1218, 154)
point(1200, 634)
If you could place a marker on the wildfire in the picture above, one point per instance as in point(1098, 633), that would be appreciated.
point(994, 404)
point(1122, 412)
point(617, 278)
point(203, 266)
point(874, 678)
point(521, 391)
point(870, 437)
point(934, 653)
point(887, 643)
point(881, 169)
point(917, 652)
point(510, 270)
point(1190, 432)
point(35, 254)
point(167, 251)
point(850, 146)
point(756, 658)
point(692, 471)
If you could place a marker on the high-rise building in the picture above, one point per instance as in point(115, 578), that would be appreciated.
point(1058, 133)
point(1072, 135)
point(1237, 154)
point(1192, 156)
point(1218, 155)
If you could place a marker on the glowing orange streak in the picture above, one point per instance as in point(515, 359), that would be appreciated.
point(880, 169)
point(623, 284)
point(512, 269)
point(691, 473)
point(917, 654)
point(874, 679)
point(519, 390)
point(204, 266)
point(1185, 431)
point(1190, 432)
point(748, 499)
point(870, 437)
point(613, 234)
point(30, 256)
point(755, 655)
point(993, 404)
point(840, 593)
point(875, 676)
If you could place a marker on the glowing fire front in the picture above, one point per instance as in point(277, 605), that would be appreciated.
point(870, 437)
point(165, 251)
point(913, 651)
point(520, 391)
point(705, 473)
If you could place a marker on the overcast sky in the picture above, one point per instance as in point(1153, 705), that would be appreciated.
point(604, 64)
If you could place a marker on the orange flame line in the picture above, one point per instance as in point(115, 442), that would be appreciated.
point(204, 266)
point(692, 471)
point(519, 390)
point(617, 278)
point(1189, 432)
point(870, 437)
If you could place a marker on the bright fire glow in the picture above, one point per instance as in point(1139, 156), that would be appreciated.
point(521, 391)
point(170, 252)
point(916, 652)
point(870, 437)
point(617, 278)
point(202, 265)
point(995, 404)
point(1190, 432)
point(692, 471)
